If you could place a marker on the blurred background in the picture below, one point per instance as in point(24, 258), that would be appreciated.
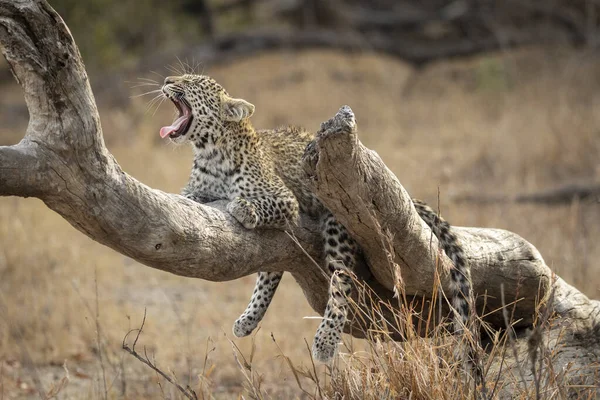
point(490, 106)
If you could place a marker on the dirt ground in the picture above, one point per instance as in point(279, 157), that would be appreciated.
point(505, 123)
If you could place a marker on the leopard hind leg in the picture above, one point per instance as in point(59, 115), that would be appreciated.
point(340, 256)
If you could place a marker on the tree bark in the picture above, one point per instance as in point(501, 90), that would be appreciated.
point(63, 161)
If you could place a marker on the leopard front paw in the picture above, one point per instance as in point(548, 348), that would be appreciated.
point(244, 212)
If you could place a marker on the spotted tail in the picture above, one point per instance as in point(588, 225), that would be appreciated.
point(461, 274)
point(460, 282)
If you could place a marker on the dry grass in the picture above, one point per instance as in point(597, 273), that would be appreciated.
point(506, 123)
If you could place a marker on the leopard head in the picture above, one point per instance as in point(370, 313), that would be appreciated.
point(204, 109)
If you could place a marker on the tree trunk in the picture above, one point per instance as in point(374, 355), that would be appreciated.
point(63, 161)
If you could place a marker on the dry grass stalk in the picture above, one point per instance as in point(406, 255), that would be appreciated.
point(187, 391)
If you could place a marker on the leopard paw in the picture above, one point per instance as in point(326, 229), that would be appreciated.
point(244, 325)
point(244, 212)
point(328, 336)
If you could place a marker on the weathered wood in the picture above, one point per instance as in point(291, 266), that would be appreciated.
point(63, 161)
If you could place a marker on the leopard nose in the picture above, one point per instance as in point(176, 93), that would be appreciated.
point(169, 79)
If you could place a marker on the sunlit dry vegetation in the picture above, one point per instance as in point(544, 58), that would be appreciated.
point(505, 123)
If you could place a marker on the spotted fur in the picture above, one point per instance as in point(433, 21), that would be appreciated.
point(460, 275)
point(260, 173)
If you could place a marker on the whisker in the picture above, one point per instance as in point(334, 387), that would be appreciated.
point(149, 106)
point(181, 65)
point(193, 66)
point(152, 102)
point(162, 77)
point(145, 94)
point(173, 70)
point(197, 66)
point(141, 84)
point(146, 87)
point(149, 110)
point(148, 80)
point(158, 96)
point(158, 106)
point(144, 81)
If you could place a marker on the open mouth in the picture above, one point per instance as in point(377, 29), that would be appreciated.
point(180, 126)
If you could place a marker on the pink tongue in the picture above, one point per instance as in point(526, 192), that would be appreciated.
point(167, 130)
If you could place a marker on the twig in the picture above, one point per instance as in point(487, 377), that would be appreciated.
point(98, 340)
point(292, 368)
point(511, 338)
point(291, 235)
point(187, 392)
point(204, 372)
point(314, 368)
point(99, 333)
point(186, 323)
point(502, 359)
point(535, 343)
point(246, 367)
point(25, 353)
point(56, 389)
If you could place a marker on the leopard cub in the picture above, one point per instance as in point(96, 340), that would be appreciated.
point(260, 173)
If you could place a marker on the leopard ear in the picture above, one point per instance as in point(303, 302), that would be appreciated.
point(235, 110)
